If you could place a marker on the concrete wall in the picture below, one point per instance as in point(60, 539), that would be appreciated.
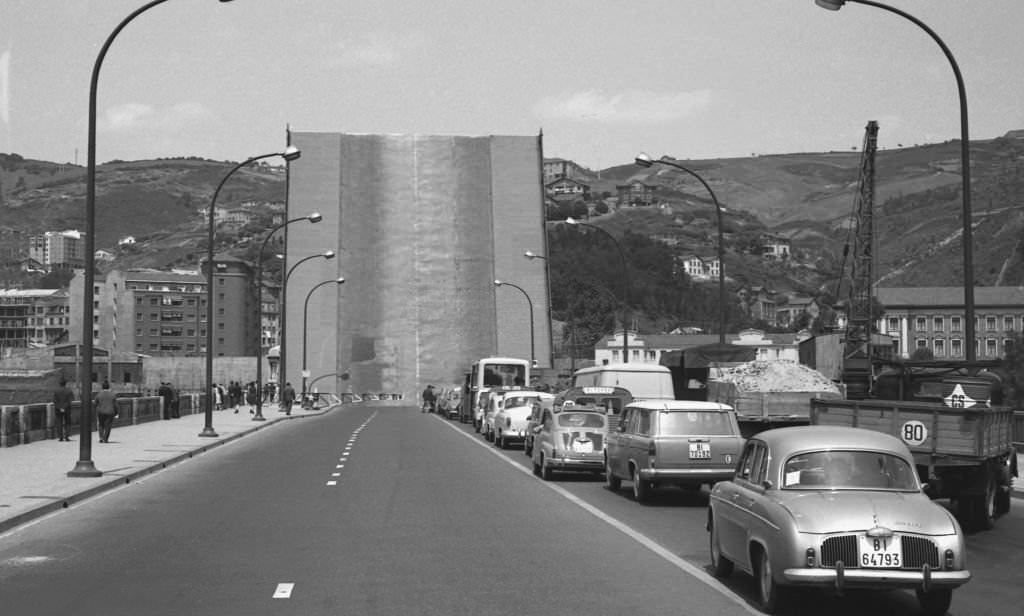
point(422, 226)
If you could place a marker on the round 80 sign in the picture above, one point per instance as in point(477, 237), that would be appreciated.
point(914, 433)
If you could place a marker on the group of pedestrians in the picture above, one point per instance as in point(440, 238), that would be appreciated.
point(103, 403)
point(171, 401)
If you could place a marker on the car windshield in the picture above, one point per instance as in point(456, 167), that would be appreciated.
point(858, 470)
point(685, 423)
point(580, 420)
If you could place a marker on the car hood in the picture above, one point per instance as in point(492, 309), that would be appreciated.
point(847, 511)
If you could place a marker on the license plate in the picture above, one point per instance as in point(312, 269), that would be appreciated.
point(583, 446)
point(881, 552)
point(700, 451)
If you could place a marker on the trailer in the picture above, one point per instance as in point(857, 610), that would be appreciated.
point(965, 454)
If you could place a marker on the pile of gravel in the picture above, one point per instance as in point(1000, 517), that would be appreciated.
point(776, 375)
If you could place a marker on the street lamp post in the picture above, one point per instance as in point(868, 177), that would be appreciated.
point(313, 218)
point(965, 164)
point(291, 153)
point(646, 161)
point(85, 467)
point(533, 355)
point(625, 285)
point(305, 318)
point(282, 324)
point(529, 254)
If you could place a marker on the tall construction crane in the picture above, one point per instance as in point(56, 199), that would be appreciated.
point(857, 372)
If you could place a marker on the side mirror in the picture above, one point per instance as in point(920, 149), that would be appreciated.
point(767, 484)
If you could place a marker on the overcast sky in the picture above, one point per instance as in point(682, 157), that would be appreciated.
point(602, 79)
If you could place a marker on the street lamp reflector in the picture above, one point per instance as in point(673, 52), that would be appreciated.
point(291, 153)
point(329, 254)
point(832, 5)
point(571, 221)
point(315, 217)
point(643, 160)
point(498, 283)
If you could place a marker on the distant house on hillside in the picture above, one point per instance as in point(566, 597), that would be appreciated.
point(558, 168)
point(697, 267)
point(1015, 134)
point(128, 240)
point(788, 310)
point(774, 247)
point(568, 186)
point(636, 192)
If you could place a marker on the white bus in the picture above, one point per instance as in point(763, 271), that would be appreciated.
point(491, 372)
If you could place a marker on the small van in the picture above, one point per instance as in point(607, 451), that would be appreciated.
point(644, 381)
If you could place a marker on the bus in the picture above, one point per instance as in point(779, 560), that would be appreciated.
point(491, 372)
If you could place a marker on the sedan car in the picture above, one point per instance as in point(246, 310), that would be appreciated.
point(838, 508)
point(569, 441)
point(684, 443)
point(513, 414)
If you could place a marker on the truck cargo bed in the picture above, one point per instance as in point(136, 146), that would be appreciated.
point(935, 433)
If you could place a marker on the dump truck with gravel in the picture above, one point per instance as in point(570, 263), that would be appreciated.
point(770, 393)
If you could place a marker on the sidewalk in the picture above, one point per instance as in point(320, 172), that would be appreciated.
point(34, 477)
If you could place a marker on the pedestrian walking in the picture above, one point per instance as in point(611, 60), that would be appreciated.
point(287, 398)
point(106, 411)
point(429, 400)
point(62, 399)
point(251, 393)
point(165, 395)
point(175, 402)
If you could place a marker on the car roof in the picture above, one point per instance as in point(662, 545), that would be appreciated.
point(679, 405)
point(797, 438)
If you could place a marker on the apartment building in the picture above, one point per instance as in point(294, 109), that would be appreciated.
point(58, 249)
point(164, 313)
point(933, 318)
point(31, 318)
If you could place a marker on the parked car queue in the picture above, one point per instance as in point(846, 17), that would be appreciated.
point(799, 507)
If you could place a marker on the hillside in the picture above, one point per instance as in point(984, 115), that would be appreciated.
point(805, 197)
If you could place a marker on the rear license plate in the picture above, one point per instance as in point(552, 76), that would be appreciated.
point(881, 552)
point(700, 451)
point(583, 446)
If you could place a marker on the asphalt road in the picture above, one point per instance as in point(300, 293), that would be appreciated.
point(384, 510)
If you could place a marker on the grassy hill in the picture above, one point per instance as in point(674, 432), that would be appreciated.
point(805, 197)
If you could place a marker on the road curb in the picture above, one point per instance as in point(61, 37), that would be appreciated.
point(106, 486)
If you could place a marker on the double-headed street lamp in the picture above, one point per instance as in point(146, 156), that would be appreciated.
point(965, 163)
point(625, 285)
point(282, 324)
point(290, 153)
point(305, 318)
point(646, 161)
point(85, 467)
point(533, 356)
point(313, 218)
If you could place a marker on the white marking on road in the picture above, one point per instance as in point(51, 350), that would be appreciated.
point(332, 483)
point(335, 474)
point(340, 466)
point(640, 538)
point(284, 590)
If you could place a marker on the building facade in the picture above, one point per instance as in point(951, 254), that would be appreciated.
point(649, 348)
point(31, 318)
point(933, 318)
point(58, 249)
point(161, 313)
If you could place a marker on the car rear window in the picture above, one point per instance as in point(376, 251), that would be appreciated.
point(866, 470)
point(580, 420)
point(685, 423)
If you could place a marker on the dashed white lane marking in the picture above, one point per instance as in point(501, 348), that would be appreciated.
point(348, 449)
point(284, 590)
point(640, 538)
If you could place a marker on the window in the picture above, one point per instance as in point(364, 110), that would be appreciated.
point(990, 324)
point(939, 348)
point(938, 324)
point(1008, 324)
point(154, 301)
point(990, 347)
point(893, 324)
point(921, 324)
point(921, 343)
point(643, 425)
point(955, 324)
point(956, 347)
point(139, 316)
